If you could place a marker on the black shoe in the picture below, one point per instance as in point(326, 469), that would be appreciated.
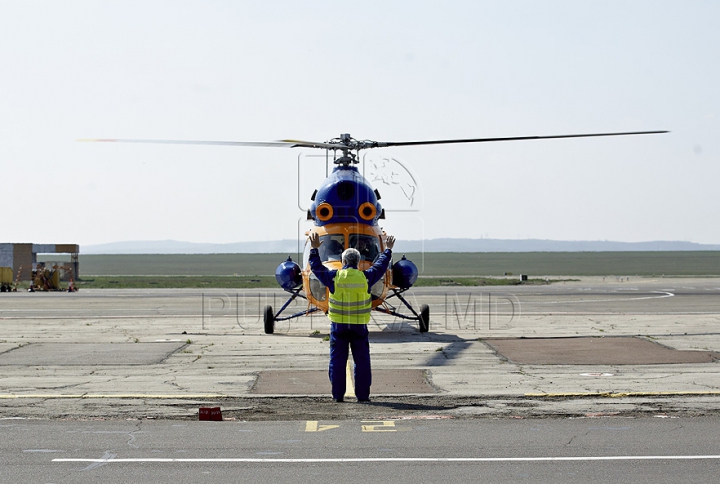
point(338, 400)
point(367, 400)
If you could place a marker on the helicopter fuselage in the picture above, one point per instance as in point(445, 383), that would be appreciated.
point(345, 211)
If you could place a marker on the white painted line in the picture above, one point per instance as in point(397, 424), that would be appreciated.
point(350, 387)
point(155, 316)
point(661, 295)
point(402, 459)
point(123, 396)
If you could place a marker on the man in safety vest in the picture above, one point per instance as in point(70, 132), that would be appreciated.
point(349, 309)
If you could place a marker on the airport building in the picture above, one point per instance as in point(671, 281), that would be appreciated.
point(22, 258)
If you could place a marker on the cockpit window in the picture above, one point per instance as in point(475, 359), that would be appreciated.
point(367, 245)
point(331, 247)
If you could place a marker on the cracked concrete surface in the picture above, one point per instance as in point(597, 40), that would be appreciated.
point(220, 354)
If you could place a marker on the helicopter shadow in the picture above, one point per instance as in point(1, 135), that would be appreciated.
point(408, 333)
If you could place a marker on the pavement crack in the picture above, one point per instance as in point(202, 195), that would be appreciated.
point(62, 387)
point(174, 384)
point(131, 440)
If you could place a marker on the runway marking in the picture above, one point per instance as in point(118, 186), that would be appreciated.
point(251, 460)
point(154, 316)
point(379, 426)
point(119, 396)
point(661, 295)
point(312, 426)
point(623, 394)
point(350, 388)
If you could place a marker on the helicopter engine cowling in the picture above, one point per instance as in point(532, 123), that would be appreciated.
point(404, 273)
point(288, 274)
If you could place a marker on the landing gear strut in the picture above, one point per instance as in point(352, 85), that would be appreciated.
point(423, 318)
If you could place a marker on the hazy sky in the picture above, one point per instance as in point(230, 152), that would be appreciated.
point(381, 70)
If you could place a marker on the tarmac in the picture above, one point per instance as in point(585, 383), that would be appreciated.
point(588, 347)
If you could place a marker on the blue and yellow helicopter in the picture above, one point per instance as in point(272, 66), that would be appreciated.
point(345, 211)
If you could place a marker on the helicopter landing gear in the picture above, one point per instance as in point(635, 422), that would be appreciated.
point(423, 317)
point(424, 320)
point(269, 320)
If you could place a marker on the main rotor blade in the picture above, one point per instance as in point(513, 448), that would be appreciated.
point(315, 144)
point(271, 144)
point(382, 144)
point(286, 143)
point(355, 145)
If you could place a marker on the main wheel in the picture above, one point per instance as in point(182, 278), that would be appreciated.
point(269, 320)
point(424, 321)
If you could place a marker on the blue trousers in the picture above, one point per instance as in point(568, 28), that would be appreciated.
point(354, 336)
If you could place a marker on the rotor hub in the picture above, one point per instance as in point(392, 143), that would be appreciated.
point(347, 144)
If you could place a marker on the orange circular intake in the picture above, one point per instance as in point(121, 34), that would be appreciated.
point(324, 212)
point(367, 211)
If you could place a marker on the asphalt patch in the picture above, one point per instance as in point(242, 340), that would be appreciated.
point(594, 351)
point(89, 354)
point(316, 382)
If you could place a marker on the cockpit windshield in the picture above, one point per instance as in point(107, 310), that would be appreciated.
point(367, 245)
point(332, 247)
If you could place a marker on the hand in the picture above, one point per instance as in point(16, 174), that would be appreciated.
point(390, 242)
point(315, 241)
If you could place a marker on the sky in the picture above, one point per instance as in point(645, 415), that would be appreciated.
point(379, 70)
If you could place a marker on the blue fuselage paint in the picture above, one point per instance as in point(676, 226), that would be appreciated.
point(345, 190)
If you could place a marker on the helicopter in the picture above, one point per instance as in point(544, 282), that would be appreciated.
point(345, 211)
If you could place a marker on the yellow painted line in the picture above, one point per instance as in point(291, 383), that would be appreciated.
point(379, 426)
point(312, 426)
point(350, 388)
point(120, 396)
point(623, 394)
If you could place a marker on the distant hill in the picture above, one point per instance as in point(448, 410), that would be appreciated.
point(432, 245)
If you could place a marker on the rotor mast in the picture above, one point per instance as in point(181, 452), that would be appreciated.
point(346, 145)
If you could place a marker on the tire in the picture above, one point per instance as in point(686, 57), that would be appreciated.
point(424, 321)
point(269, 320)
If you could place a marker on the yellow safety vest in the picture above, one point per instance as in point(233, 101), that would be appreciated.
point(350, 303)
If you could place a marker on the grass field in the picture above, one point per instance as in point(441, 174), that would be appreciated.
point(163, 282)
point(690, 263)
point(535, 264)
point(436, 268)
point(245, 282)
